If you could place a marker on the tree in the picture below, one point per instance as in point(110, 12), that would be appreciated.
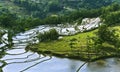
point(107, 35)
point(112, 18)
point(106, 41)
point(54, 7)
point(8, 20)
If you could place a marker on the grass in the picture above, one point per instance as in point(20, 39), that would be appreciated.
point(71, 46)
point(62, 47)
point(118, 30)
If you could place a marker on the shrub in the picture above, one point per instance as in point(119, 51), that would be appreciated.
point(52, 34)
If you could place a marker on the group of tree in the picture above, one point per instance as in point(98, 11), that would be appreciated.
point(43, 8)
point(105, 42)
point(39, 8)
point(9, 20)
point(106, 34)
point(110, 15)
point(52, 34)
point(112, 18)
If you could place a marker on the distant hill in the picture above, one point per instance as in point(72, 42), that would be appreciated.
point(8, 6)
point(43, 8)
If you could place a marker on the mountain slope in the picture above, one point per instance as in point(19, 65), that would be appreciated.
point(43, 8)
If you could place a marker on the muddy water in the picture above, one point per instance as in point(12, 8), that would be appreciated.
point(17, 59)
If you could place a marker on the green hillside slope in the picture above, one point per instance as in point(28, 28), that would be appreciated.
point(43, 8)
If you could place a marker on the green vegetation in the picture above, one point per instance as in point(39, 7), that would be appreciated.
point(11, 21)
point(109, 15)
point(106, 41)
point(63, 46)
point(8, 6)
point(113, 18)
point(48, 36)
point(1, 34)
point(44, 8)
point(81, 46)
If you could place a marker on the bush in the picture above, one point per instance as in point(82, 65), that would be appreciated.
point(52, 34)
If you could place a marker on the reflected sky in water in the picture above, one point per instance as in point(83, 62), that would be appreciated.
point(67, 65)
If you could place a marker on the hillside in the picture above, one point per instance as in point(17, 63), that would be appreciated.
point(7, 6)
point(43, 8)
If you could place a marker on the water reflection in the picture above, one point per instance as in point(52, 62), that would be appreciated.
point(107, 65)
point(57, 65)
point(73, 65)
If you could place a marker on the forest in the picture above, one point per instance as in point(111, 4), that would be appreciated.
point(108, 13)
